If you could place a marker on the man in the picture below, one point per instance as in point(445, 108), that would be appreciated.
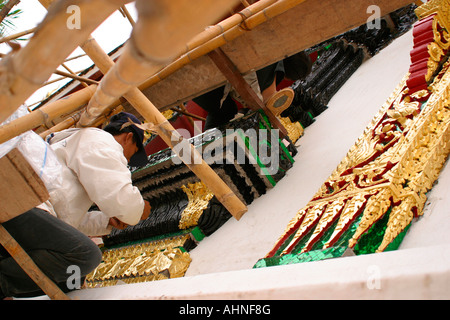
point(95, 172)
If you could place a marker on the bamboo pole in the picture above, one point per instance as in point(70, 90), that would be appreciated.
point(74, 58)
point(46, 113)
point(83, 83)
point(53, 81)
point(26, 70)
point(28, 265)
point(17, 35)
point(188, 114)
point(65, 124)
point(235, 20)
point(72, 120)
point(127, 15)
point(75, 77)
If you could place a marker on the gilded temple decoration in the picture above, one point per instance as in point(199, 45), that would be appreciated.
point(294, 129)
point(152, 260)
point(379, 188)
point(199, 196)
point(143, 262)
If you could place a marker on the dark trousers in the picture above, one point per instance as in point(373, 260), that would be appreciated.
point(217, 115)
point(53, 245)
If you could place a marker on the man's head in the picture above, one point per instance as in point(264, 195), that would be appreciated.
point(129, 136)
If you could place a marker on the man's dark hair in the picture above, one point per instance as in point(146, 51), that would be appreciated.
point(116, 131)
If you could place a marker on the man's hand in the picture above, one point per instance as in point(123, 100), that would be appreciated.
point(116, 223)
point(147, 209)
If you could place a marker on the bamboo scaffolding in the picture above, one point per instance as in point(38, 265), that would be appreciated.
point(226, 25)
point(206, 36)
point(149, 52)
point(196, 43)
point(72, 120)
point(150, 113)
point(46, 113)
point(24, 71)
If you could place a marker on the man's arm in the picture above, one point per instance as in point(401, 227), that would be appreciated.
point(116, 223)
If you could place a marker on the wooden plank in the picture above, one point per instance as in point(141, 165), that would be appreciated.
point(299, 28)
point(21, 189)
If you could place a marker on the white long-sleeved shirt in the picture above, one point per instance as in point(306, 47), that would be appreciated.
point(94, 172)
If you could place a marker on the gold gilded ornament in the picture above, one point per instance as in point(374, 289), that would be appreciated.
point(142, 262)
point(294, 129)
point(352, 209)
point(330, 214)
point(199, 196)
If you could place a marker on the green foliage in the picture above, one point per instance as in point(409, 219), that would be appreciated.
point(8, 22)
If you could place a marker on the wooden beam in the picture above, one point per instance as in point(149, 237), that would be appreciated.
point(229, 70)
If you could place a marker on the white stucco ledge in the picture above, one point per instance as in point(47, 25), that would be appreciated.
point(419, 273)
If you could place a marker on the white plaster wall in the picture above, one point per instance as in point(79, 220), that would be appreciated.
point(404, 274)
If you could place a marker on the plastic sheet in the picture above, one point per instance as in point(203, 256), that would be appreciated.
point(36, 151)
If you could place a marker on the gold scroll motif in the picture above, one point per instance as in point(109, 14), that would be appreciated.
point(140, 263)
point(294, 129)
point(393, 163)
point(329, 215)
point(437, 49)
point(153, 260)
